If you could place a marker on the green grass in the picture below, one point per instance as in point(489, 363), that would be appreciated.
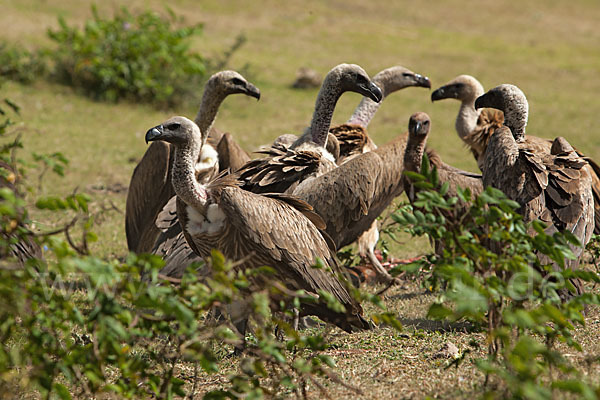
point(550, 49)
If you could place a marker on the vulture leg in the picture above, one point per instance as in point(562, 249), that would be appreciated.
point(366, 247)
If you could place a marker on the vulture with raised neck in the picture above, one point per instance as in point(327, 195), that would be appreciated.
point(285, 168)
point(276, 230)
point(419, 126)
point(476, 126)
point(553, 185)
point(352, 135)
point(150, 186)
point(353, 140)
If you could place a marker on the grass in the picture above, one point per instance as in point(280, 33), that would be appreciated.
point(549, 49)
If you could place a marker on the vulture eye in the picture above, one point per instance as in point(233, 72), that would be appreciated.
point(173, 127)
point(237, 81)
point(425, 122)
point(407, 74)
point(361, 79)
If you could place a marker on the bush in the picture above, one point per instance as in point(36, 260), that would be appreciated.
point(141, 57)
point(21, 65)
point(493, 279)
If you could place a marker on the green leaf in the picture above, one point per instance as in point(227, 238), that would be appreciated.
point(62, 391)
point(438, 311)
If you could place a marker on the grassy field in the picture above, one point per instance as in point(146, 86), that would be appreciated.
point(550, 49)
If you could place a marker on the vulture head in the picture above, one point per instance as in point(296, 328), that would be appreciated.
point(464, 88)
point(510, 100)
point(397, 78)
point(231, 82)
point(175, 130)
point(419, 124)
point(352, 78)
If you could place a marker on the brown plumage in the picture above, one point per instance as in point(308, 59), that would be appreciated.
point(150, 186)
point(306, 158)
point(354, 140)
point(475, 127)
point(231, 156)
point(274, 230)
point(419, 126)
point(352, 196)
point(282, 170)
point(352, 135)
point(553, 186)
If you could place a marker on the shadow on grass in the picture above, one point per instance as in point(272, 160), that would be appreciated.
point(432, 325)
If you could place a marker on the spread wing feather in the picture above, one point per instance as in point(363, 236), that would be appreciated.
point(280, 171)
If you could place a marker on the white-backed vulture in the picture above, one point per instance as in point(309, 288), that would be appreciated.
point(274, 230)
point(150, 186)
point(552, 185)
point(285, 168)
point(419, 126)
point(353, 140)
point(475, 127)
point(352, 135)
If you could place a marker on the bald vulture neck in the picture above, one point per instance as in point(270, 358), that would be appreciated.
point(466, 121)
point(363, 114)
point(517, 130)
point(325, 105)
point(366, 109)
point(184, 175)
point(415, 147)
point(209, 107)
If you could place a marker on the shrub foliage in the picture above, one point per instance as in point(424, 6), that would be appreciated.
point(144, 57)
point(492, 277)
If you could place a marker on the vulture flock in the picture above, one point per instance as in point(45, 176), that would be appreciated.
point(305, 196)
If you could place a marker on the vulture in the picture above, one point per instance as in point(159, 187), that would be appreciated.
point(275, 230)
point(281, 171)
point(150, 187)
point(285, 168)
point(476, 126)
point(552, 185)
point(353, 140)
point(352, 135)
point(419, 125)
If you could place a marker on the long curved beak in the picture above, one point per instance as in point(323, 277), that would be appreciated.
point(154, 134)
point(445, 92)
point(439, 94)
point(481, 102)
point(373, 92)
point(422, 81)
point(253, 91)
